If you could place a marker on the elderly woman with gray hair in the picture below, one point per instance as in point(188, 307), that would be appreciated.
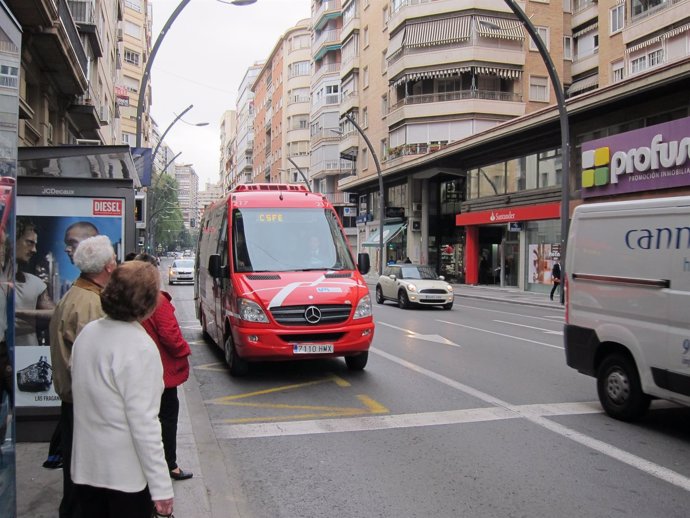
point(118, 464)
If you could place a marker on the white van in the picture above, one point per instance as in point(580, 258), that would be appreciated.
point(628, 301)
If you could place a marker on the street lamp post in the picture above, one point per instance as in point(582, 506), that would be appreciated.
point(147, 70)
point(382, 208)
point(565, 133)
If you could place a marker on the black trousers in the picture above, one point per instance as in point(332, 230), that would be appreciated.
point(170, 409)
point(108, 503)
point(553, 289)
point(69, 506)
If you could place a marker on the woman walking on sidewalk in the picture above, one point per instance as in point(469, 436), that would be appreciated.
point(164, 329)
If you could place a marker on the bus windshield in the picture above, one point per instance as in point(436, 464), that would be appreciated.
point(278, 240)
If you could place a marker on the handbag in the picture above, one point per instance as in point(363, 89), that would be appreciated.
point(37, 377)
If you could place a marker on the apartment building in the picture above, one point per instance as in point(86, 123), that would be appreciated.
point(212, 192)
point(187, 193)
point(281, 130)
point(68, 68)
point(228, 147)
point(461, 76)
point(246, 112)
point(135, 45)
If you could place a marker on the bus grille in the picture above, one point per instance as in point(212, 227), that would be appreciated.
point(296, 315)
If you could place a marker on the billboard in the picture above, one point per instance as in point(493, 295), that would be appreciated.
point(48, 231)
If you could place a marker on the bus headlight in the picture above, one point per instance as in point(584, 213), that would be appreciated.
point(251, 311)
point(363, 308)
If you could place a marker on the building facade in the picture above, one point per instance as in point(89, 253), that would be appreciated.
point(187, 193)
point(228, 148)
point(246, 111)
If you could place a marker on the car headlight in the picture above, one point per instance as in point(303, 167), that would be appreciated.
point(449, 287)
point(363, 308)
point(251, 311)
point(411, 287)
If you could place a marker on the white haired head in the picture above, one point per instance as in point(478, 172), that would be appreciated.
point(94, 254)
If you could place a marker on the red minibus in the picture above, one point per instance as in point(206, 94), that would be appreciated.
point(275, 279)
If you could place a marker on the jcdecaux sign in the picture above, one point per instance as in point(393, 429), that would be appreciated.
point(652, 158)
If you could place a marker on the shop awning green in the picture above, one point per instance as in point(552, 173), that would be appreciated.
point(389, 232)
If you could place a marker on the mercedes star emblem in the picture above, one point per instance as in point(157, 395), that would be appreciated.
point(312, 315)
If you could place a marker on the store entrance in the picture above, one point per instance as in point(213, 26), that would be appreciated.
point(498, 249)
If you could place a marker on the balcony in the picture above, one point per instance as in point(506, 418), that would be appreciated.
point(349, 25)
point(508, 53)
point(323, 134)
point(583, 12)
point(349, 64)
point(325, 42)
point(349, 140)
point(349, 101)
point(652, 20)
point(329, 10)
point(83, 15)
point(55, 38)
point(440, 105)
point(585, 62)
point(327, 168)
point(330, 68)
point(409, 9)
point(84, 113)
point(338, 198)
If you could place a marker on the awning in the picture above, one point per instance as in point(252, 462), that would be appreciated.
point(587, 29)
point(395, 44)
point(583, 84)
point(431, 74)
point(503, 28)
point(504, 73)
point(438, 32)
point(676, 31)
point(389, 232)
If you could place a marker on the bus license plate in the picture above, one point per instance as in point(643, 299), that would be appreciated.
point(312, 348)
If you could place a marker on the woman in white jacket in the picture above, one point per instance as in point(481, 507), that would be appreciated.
point(118, 462)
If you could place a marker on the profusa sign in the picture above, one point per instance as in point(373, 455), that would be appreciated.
point(646, 159)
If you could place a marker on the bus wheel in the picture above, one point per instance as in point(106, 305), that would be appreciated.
point(238, 366)
point(358, 362)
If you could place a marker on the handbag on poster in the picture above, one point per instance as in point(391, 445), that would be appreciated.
point(36, 377)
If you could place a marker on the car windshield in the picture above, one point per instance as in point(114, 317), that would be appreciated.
point(183, 264)
point(418, 272)
point(278, 239)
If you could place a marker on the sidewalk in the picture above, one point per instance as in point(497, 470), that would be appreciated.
point(210, 493)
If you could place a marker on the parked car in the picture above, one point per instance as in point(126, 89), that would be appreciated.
point(413, 284)
point(181, 270)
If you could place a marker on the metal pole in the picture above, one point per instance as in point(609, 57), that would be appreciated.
point(160, 140)
point(149, 63)
point(300, 172)
point(565, 133)
point(382, 211)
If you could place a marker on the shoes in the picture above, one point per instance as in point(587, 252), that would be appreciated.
point(181, 474)
point(53, 462)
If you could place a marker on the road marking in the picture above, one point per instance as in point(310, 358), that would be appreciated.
point(197, 342)
point(501, 334)
point(369, 405)
point(547, 318)
point(634, 461)
point(196, 327)
point(429, 338)
point(216, 367)
point(547, 331)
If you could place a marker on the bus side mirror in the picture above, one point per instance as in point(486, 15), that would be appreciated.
point(215, 269)
point(363, 264)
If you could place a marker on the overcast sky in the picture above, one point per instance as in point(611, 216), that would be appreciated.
point(202, 61)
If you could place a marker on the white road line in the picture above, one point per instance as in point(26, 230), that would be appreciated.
point(625, 457)
point(413, 334)
point(500, 334)
point(549, 319)
point(547, 331)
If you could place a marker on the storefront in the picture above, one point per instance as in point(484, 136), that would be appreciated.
point(512, 247)
point(393, 242)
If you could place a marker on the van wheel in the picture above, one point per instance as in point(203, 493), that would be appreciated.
point(379, 295)
point(358, 362)
point(619, 388)
point(238, 366)
point(403, 301)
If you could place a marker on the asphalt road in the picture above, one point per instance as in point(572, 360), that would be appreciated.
point(469, 412)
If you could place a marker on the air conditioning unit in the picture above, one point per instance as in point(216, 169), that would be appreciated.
point(416, 207)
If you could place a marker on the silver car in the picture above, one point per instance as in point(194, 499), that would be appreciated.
point(409, 284)
point(181, 270)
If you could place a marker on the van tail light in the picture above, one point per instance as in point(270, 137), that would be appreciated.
point(566, 292)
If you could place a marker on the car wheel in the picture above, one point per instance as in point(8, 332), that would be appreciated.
point(448, 306)
point(357, 362)
point(403, 301)
point(379, 295)
point(238, 366)
point(619, 388)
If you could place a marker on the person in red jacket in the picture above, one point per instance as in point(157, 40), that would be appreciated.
point(164, 329)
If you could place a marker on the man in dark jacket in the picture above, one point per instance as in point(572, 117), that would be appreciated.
point(555, 276)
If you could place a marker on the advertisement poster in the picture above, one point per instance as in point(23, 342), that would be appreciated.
point(541, 259)
point(48, 231)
